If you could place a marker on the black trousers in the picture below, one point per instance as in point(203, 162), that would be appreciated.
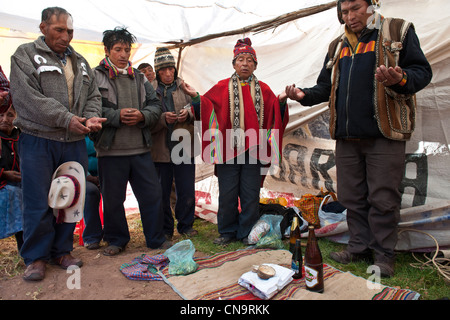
point(115, 172)
point(238, 184)
point(369, 173)
point(184, 175)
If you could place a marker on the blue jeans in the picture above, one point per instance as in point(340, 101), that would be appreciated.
point(39, 158)
point(238, 182)
point(184, 175)
point(115, 172)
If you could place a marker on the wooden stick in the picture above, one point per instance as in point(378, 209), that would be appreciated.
point(258, 27)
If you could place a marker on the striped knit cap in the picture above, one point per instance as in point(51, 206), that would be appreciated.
point(163, 59)
point(244, 46)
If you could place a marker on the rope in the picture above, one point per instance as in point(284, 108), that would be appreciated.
point(441, 264)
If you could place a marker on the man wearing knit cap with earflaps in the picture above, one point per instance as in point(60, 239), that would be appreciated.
point(163, 59)
point(171, 164)
point(243, 123)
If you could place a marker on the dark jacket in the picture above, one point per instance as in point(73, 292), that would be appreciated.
point(162, 132)
point(149, 105)
point(9, 154)
point(354, 99)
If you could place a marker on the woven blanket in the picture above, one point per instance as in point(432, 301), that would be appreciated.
point(217, 278)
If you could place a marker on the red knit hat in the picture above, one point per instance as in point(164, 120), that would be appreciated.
point(244, 46)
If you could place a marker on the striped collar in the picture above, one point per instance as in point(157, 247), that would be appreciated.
point(114, 71)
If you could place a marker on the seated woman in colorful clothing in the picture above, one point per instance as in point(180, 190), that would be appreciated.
point(10, 179)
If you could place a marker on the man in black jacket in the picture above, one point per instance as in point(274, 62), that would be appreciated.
point(370, 84)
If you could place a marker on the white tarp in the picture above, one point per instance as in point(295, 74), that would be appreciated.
point(291, 53)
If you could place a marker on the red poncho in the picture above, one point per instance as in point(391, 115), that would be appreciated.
point(263, 137)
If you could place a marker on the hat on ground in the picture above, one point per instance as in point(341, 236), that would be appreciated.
point(68, 192)
point(244, 46)
point(163, 59)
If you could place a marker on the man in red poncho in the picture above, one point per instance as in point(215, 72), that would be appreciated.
point(242, 123)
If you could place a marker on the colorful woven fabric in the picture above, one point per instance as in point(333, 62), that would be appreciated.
point(237, 292)
point(145, 267)
point(338, 284)
point(114, 71)
point(219, 259)
point(216, 155)
point(4, 86)
point(395, 294)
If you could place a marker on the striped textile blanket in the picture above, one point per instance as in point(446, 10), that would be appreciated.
point(217, 279)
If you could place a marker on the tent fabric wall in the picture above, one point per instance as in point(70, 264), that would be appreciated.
point(291, 53)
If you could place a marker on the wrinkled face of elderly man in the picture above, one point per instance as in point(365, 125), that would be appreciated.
point(244, 65)
point(58, 32)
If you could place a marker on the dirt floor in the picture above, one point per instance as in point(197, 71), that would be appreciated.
point(98, 279)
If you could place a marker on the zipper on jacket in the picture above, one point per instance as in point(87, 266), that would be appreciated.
point(363, 33)
point(348, 90)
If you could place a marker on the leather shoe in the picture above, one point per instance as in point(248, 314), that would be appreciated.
point(386, 269)
point(346, 257)
point(67, 261)
point(190, 232)
point(165, 245)
point(224, 240)
point(35, 271)
point(385, 265)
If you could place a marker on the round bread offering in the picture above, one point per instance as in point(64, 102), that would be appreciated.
point(265, 272)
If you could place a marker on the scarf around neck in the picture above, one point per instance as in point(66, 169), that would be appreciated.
point(237, 113)
point(115, 71)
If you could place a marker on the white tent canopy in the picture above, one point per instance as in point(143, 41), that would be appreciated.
point(290, 53)
point(293, 52)
point(152, 21)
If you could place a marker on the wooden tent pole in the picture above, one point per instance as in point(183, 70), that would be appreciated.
point(259, 27)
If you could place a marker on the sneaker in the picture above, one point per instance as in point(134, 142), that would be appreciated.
point(345, 257)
